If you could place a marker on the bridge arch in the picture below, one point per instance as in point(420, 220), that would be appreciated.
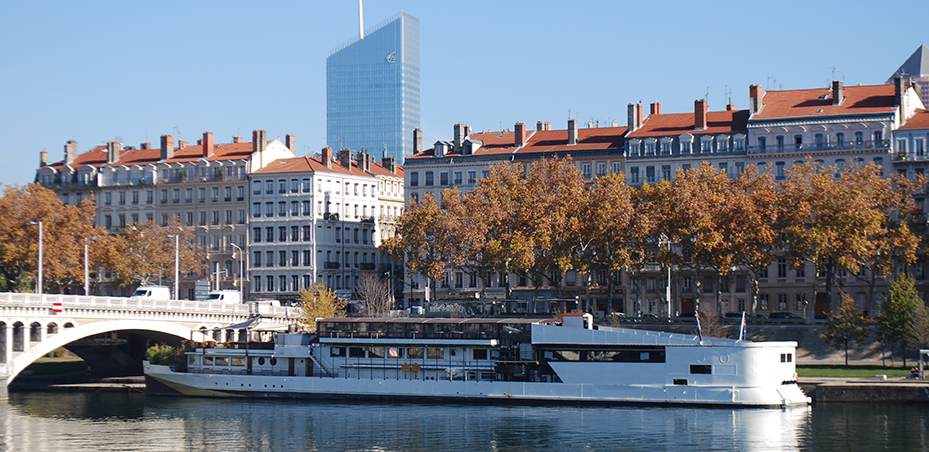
point(68, 335)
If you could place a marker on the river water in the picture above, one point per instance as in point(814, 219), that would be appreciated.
point(52, 421)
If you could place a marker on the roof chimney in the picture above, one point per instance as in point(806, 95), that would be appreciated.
point(326, 156)
point(145, 146)
point(638, 116)
point(417, 141)
point(291, 142)
point(700, 108)
point(838, 93)
point(520, 129)
point(631, 121)
point(43, 158)
point(730, 107)
point(207, 143)
point(181, 144)
point(70, 152)
point(459, 135)
point(389, 164)
point(364, 161)
point(572, 132)
point(258, 140)
point(237, 139)
point(167, 147)
point(654, 108)
point(899, 90)
point(345, 157)
point(754, 98)
point(113, 148)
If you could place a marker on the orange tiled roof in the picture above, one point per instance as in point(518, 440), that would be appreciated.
point(818, 102)
point(495, 143)
point(135, 157)
point(228, 151)
point(307, 164)
point(94, 157)
point(919, 121)
point(673, 124)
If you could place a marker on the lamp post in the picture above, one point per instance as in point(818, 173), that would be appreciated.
point(241, 269)
point(38, 286)
point(87, 266)
point(663, 240)
point(176, 266)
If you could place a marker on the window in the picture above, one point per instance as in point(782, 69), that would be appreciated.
point(414, 179)
point(666, 148)
point(801, 271)
point(878, 137)
point(761, 143)
point(282, 186)
point(601, 169)
point(820, 140)
point(256, 187)
point(649, 148)
point(634, 175)
point(616, 168)
point(801, 303)
point(919, 147)
point(306, 233)
point(706, 145)
point(859, 137)
point(585, 169)
point(723, 167)
point(269, 234)
point(306, 208)
point(666, 172)
point(430, 180)
point(256, 261)
point(901, 145)
point(457, 179)
point(269, 209)
point(840, 139)
point(472, 177)
point(650, 174)
point(202, 218)
point(782, 267)
point(779, 171)
point(763, 302)
point(782, 301)
point(282, 234)
point(443, 178)
point(879, 162)
point(685, 147)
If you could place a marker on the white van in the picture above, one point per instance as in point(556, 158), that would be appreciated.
point(225, 296)
point(152, 293)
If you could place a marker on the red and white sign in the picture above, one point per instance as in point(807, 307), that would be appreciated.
point(56, 307)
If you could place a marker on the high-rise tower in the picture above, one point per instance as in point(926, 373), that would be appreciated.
point(372, 89)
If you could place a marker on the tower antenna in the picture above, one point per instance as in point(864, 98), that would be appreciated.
point(361, 22)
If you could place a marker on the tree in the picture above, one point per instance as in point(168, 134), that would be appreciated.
point(375, 293)
point(317, 301)
point(752, 224)
point(64, 230)
point(917, 329)
point(846, 325)
point(897, 312)
point(143, 252)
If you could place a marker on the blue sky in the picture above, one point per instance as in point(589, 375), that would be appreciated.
point(102, 70)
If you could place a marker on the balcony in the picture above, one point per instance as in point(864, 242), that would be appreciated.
point(367, 266)
point(331, 265)
point(813, 147)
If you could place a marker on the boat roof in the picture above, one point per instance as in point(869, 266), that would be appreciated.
point(546, 334)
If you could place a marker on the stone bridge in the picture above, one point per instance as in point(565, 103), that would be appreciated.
point(32, 325)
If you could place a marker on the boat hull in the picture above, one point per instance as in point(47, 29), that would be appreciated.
point(163, 380)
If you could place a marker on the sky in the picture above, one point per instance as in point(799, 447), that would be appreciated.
point(98, 71)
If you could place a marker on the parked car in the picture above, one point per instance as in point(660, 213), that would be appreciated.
point(732, 315)
point(785, 315)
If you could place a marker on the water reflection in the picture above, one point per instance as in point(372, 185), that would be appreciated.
point(79, 421)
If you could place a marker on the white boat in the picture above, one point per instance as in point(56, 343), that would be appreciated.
point(481, 360)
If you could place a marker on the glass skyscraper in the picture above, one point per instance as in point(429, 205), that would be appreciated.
point(372, 89)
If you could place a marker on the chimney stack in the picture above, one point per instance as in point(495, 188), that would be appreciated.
point(838, 93)
point(70, 152)
point(417, 141)
point(754, 98)
point(345, 157)
point(167, 147)
point(700, 109)
point(145, 146)
point(364, 161)
point(389, 164)
point(520, 129)
point(632, 122)
point(113, 148)
point(291, 142)
point(730, 107)
point(237, 139)
point(572, 132)
point(259, 140)
point(207, 143)
point(899, 91)
point(654, 108)
point(43, 158)
point(181, 144)
point(326, 156)
point(459, 135)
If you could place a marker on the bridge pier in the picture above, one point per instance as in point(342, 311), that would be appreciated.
point(4, 394)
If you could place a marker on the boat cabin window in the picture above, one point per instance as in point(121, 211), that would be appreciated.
point(787, 357)
point(416, 353)
point(337, 351)
point(238, 361)
point(435, 353)
point(480, 353)
point(261, 360)
point(222, 361)
point(191, 359)
point(208, 360)
point(680, 381)
point(701, 369)
point(636, 354)
point(394, 352)
point(356, 352)
point(375, 352)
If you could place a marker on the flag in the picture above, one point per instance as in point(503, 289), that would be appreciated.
point(286, 314)
point(699, 331)
point(742, 328)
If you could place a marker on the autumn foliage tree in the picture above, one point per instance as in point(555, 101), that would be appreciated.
point(144, 252)
point(64, 229)
point(846, 325)
point(317, 301)
point(422, 239)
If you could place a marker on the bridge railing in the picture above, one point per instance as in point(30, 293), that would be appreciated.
point(67, 302)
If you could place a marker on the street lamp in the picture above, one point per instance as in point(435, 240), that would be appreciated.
point(176, 266)
point(38, 286)
point(241, 269)
point(663, 240)
point(87, 266)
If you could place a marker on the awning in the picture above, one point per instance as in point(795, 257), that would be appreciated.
point(255, 323)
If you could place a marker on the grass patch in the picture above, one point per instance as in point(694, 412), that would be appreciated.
point(851, 371)
point(53, 367)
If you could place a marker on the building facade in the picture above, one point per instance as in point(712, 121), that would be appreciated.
point(372, 89)
point(203, 185)
point(320, 221)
